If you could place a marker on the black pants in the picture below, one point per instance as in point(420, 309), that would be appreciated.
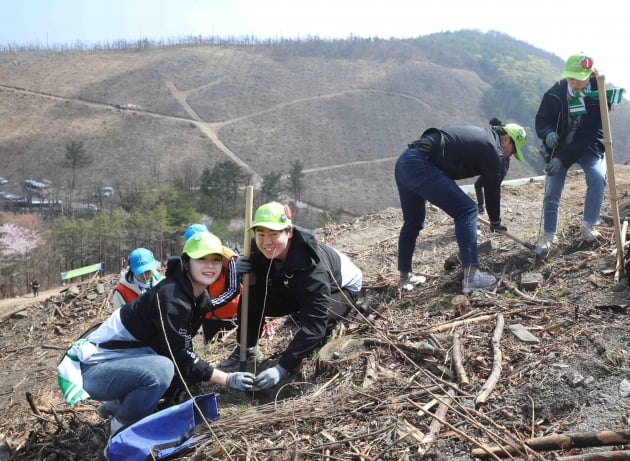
point(213, 326)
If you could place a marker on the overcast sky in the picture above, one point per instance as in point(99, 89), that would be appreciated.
point(599, 28)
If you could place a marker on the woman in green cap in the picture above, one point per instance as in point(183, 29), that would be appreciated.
point(127, 362)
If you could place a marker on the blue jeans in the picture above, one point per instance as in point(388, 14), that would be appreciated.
point(419, 180)
point(137, 382)
point(595, 175)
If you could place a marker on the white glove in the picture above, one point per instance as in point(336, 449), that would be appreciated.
point(240, 381)
point(552, 140)
point(270, 377)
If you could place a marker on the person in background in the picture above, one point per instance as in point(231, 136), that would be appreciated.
point(225, 292)
point(128, 361)
point(291, 272)
point(569, 124)
point(141, 275)
point(505, 167)
point(35, 288)
point(427, 170)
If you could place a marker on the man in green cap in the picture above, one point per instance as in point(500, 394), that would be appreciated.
point(293, 273)
point(569, 124)
point(427, 170)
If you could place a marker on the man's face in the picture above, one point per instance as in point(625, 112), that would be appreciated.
point(273, 244)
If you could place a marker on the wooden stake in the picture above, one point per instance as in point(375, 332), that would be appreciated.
point(610, 168)
point(247, 247)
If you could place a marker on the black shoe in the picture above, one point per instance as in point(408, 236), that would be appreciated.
point(253, 353)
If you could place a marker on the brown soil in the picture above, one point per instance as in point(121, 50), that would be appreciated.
point(391, 401)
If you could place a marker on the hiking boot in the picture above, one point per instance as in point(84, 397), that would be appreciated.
point(588, 231)
point(546, 240)
point(477, 280)
point(253, 353)
point(409, 283)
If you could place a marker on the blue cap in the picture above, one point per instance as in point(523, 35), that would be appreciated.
point(193, 229)
point(141, 260)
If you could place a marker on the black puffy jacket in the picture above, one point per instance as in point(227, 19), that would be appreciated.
point(172, 302)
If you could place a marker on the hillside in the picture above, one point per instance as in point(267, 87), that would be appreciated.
point(390, 396)
point(345, 109)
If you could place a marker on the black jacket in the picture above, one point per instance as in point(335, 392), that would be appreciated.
point(173, 301)
point(553, 115)
point(311, 273)
point(465, 151)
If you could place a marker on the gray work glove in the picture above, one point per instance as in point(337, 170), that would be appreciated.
point(552, 140)
point(553, 167)
point(243, 265)
point(500, 227)
point(240, 381)
point(270, 377)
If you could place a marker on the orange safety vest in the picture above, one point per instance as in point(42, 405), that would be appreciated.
point(127, 293)
point(230, 309)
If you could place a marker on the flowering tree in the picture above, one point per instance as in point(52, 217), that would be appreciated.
point(17, 243)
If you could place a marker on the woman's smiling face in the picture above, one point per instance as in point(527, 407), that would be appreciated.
point(205, 271)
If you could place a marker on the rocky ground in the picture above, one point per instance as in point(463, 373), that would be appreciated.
point(414, 375)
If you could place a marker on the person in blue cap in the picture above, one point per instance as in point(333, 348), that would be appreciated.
point(141, 275)
point(193, 229)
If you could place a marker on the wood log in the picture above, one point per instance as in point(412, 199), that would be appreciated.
point(562, 442)
point(622, 455)
point(488, 386)
point(458, 364)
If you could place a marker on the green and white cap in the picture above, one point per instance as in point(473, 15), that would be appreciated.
point(518, 135)
point(579, 66)
point(202, 244)
point(272, 215)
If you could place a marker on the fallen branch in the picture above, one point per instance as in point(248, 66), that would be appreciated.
point(488, 386)
point(460, 372)
point(622, 455)
point(461, 323)
point(561, 442)
point(436, 425)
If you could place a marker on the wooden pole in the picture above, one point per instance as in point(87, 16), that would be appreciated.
point(247, 246)
point(610, 169)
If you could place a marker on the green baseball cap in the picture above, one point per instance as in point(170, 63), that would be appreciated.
point(272, 215)
point(579, 66)
point(518, 135)
point(202, 244)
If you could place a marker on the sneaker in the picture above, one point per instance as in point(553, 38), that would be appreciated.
point(588, 231)
point(477, 280)
point(115, 425)
point(409, 283)
point(253, 353)
point(546, 240)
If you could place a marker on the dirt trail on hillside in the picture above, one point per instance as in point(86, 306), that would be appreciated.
point(9, 306)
